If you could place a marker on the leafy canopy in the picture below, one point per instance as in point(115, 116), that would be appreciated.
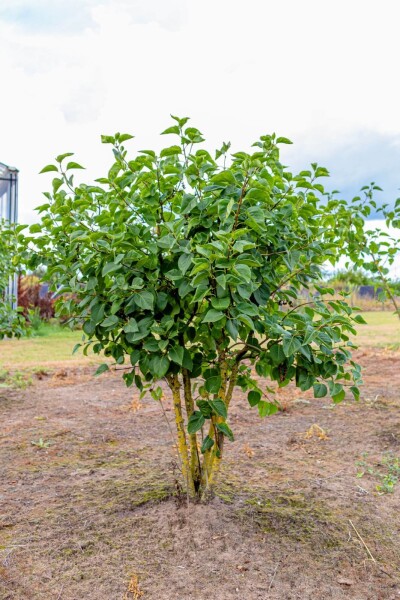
point(186, 262)
point(371, 250)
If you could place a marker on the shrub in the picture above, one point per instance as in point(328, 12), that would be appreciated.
point(189, 267)
point(371, 250)
point(31, 296)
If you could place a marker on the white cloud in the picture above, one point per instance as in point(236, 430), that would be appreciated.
point(74, 16)
point(47, 16)
point(323, 74)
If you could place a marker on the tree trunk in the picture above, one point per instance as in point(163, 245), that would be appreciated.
point(174, 385)
point(195, 467)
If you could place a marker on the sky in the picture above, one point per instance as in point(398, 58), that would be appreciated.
point(324, 74)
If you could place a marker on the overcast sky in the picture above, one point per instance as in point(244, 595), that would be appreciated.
point(324, 74)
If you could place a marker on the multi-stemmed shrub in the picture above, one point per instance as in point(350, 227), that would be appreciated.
point(194, 269)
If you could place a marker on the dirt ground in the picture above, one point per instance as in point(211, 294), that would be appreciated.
point(95, 514)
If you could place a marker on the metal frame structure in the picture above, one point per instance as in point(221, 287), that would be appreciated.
point(9, 213)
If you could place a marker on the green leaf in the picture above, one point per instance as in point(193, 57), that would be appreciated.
point(176, 354)
point(247, 321)
point(212, 316)
point(196, 422)
point(291, 345)
point(355, 391)
point(220, 303)
point(213, 384)
point(184, 262)
point(320, 390)
point(360, 319)
point(151, 344)
point(73, 165)
point(89, 328)
point(131, 326)
point(334, 388)
point(200, 293)
point(144, 300)
point(171, 151)
point(187, 360)
point(124, 137)
point(219, 407)
point(207, 444)
point(107, 139)
point(309, 336)
point(136, 337)
point(110, 321)
point(48, 168)
point(157, 393)
point(283, 140)
point(181, 120)
point(129, 378)
point(224, 178)
point(221, 280)
point(167, 241)
point(61, 157)
point(159, 365)
point(243, 271)
point(205, 408)
point(254, 397)
point(232, 329)
point(174, 129)
point(266, 409)
point(339, 396)
point(242, 245)
point(110, 268)
point(102, 368)
point(226, 430)
point(134, 357)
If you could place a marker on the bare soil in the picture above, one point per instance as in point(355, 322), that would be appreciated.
point(96, 514)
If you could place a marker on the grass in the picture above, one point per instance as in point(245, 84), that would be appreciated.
point(49, 345)
point(382, 330)
point(53, 344)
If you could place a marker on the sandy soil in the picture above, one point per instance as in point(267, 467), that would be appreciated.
point(96, 514)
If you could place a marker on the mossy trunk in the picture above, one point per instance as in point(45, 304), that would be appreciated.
point(174, 385)
point(195, 466)
point(213, 457)
point(200, 475)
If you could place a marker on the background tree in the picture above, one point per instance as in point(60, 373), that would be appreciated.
point(370, 249)
point(194, 269)
point(11, 322)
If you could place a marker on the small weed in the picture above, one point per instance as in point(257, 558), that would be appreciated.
point(248, 451)
point(35, 319)
point(40, 443)
point(315, 431)
point(133, 592)
point(40, 372)
point(387, 472)
point(19, 379)
point(394, 347)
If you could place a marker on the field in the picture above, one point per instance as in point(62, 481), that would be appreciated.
point(307, 505)
point(53, 344)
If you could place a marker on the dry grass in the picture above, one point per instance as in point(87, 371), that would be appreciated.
point(382, 331)
point(52, 346)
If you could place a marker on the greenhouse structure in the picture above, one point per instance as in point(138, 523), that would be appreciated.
point(9, 212)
